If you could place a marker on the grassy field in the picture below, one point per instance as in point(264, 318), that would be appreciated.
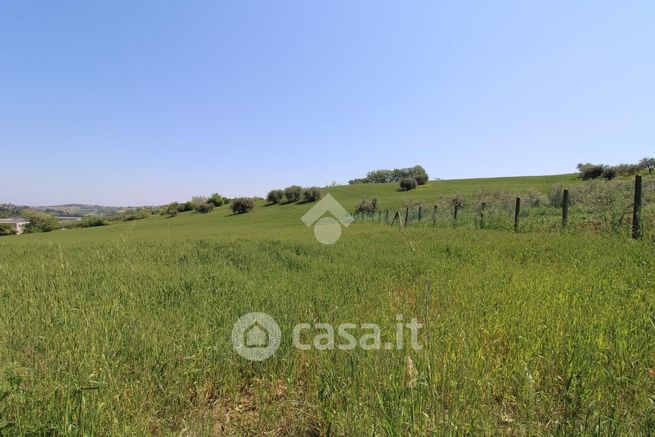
point(125, 329)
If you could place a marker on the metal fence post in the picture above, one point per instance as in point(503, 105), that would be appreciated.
point(636, 213)
point(517, 211)
point(565, 209)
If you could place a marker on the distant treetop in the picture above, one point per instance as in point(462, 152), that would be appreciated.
point(392, 176)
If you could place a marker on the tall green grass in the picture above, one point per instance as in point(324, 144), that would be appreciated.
point(125, 330)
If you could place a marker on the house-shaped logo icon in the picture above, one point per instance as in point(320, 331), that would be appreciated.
point(256, 336)
point(327, 230)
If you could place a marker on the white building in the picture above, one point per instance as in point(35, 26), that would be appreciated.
point(17, 224)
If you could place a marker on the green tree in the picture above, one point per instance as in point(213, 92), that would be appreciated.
point(407, 184)
point(293, 193)
point(6, 230)
point(242, 205)
point(311, 194)
point(275, 196)
point(216, 199)
point(648, 163)
point(39, 221)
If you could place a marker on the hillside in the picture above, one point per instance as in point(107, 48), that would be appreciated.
point(267, 218)
point(126, 329)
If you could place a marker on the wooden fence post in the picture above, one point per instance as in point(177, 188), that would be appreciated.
point(420, 210)
point(517, 211)
point(636, 213)
point(565, 209)
point(406, 216)
point(455, 213)
point(483, 206)
point(434, 215)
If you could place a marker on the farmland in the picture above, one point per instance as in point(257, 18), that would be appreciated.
point(125, 329)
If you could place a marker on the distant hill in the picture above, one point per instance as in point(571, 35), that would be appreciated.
point(77, 210)
point(68, 210)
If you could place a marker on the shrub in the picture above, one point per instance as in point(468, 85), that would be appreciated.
point(590, 171)
point(91, 221)
point(204, 208)
point(534, 199)
point(609, 173)
point(242, 205)
point(197, 201)
point(407, 184)
point(134, 214)
point(367, 207)
point(627, 169)
point(609, 203)
point(275, 196)
point(389, 176)
point(556, 196)
point(456, 202)
point(183, 207)
point(419, 174)
point(39, 221)
point(311, 194)
point(496, 200)
point(648, 163)
point(170, 210)
point(421, 179)
point(6, 230)
point(293, 193)
point(216, 199)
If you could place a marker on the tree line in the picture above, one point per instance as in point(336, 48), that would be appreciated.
point(590, 171)
point(396, 175)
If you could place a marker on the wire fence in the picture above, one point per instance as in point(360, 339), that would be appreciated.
point(625, 208)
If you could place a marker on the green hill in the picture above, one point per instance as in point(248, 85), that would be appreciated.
point(267, 219)
point(127, 329)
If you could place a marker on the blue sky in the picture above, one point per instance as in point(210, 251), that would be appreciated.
point(146, 102)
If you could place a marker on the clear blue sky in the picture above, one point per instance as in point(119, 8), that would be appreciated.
point(145, 102)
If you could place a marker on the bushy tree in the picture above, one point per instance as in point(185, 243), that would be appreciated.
point(242, 205)
point(204, 208)
point(419, 174)
point(6, 230)
point(627, 169)
point(366, 206)
point(407, 184)
point(91, 221)
point(186, 206)
point(311, 194)
point(293, 193)
point(216, 200)
point(648, 163)
point(197, 201)
point(590, 171)
point(275, 196)
point(170, 210)
point(389, 176)
point(609, 173)
point(39, 221)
